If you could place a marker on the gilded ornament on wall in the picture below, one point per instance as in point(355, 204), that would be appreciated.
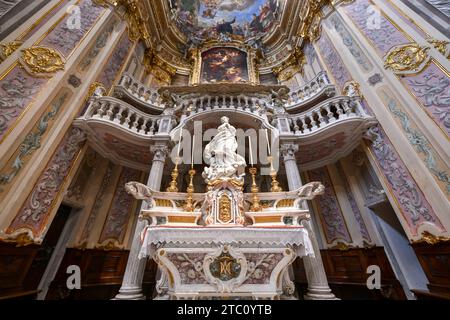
point(42, 61)
point(441, 46)
point(7, 49)
point(431, 239)
point(410, 58)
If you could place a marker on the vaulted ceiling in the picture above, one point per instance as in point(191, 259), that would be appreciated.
point(170, 28)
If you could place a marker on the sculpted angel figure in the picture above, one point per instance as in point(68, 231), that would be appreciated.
point(222, 155)
point(279, 98)
point(170, 100)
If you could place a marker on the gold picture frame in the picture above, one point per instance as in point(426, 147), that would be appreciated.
point(197, 61)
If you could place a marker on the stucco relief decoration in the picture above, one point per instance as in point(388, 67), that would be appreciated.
point(415, 208)
point(406, 59)
point(41, 61)
point(118, 217)
point(129, 151)
point(420, 142)
point(322, 149)
point(32, 141)
point(333, 61)
point(350, 43)
point(34, 214)
point(333, 221)
point(115, 63)
point(64, 38)
point(17, 91)
point(351, 199)
point(99, 201)
point(383, 38)
point(432, 89)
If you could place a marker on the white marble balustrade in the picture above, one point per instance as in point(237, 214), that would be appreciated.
point(255, 105)
point(119, 113)
point(316, 88)
point(329, 112)
point(137, 90)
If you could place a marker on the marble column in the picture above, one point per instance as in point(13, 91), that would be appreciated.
point(134, 274)
point(318, 288)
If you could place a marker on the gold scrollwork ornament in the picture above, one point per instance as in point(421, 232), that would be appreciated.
point(410, 58)
point(42, 61)
point(7, 49)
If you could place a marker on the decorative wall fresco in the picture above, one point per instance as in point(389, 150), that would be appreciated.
point(119, 215)
point(31, 142)
point(36, 210)
point(17, 92)
point(322, 149)
point(419, 141)
point(117, 60)
point(406, 20)
point(210, 19)
point(348, 40)
point(224, 64)
point(351, 199)
point(431, 87)
point(18, 89)
point(127, 150)
point(50, 14)
point(333, 61)
point(98, 203)
point(64, 38)
point(330, 213)
point(412, 203)
point(383, 38)
point(99, 44)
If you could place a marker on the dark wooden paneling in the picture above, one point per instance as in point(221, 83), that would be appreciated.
point(14, 266)
point(346, 273)
point(435, 261)
point(101, 275)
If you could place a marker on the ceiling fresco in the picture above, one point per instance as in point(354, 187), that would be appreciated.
point(214, 19)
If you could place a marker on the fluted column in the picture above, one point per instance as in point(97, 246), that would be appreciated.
point(318, 288)
point(134, 274)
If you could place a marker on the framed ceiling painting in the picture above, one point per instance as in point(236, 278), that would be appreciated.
point(226, 63)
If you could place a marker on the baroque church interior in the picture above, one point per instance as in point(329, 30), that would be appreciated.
point(234, 149)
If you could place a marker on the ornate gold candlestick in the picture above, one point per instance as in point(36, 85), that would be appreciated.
point(273, 174)
point(173, 184)
point(190, 190)
point(256, 206)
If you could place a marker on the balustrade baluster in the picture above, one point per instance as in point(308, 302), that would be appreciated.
point(339, 109)
point(127, 120)
point(209, 107)
point(330, 115)
point(118, 116)
point(296, 126)
point(216, 106)
point(347, 109)
point(109, 111)
point(322, 119)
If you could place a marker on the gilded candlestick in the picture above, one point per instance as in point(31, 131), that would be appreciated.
point(256, 206)
point(273, 174)
point(190, 190)
point(175, 173)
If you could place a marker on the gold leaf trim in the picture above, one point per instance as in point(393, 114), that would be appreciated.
point(431, 239)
